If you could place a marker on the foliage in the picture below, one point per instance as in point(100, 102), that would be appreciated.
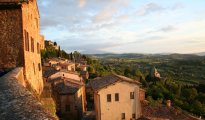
point(178, 83)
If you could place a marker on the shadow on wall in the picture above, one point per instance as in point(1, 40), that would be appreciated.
point(4, 71)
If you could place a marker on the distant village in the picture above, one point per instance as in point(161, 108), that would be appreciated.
point(112, 97)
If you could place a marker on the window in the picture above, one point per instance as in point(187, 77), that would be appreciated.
point(39, 66)
point(76, 107)
point(123, 116)
point(116, 96)
point(132, 95)
point(34, 70)
point(108, 97)
point(133, 115)
point(26, 40)
point(32, 44)
point(67, 108)
point(38, 48)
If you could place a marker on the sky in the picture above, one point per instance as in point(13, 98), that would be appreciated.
point(125, 26)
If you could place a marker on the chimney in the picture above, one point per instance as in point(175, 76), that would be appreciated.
point(168, 103)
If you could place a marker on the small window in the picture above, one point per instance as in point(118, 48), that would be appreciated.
point(123, 116)
point(32, 44)
point(132, 95)
point(133, 115)
point(39, 66)
point(26, 40)
point(108, 97)
point(34, 70)
point(116, 96)
point(38, 48)
point(67, 108)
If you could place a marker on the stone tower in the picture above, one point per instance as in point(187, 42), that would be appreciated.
point(20, 40)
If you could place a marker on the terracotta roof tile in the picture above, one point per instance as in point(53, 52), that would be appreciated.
point(163, 112)
point(101, 82)
point(66, 88)
point(48, 71)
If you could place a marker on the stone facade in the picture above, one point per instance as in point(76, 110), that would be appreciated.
point(70, 106)
point(20, 40)
point(42, 42)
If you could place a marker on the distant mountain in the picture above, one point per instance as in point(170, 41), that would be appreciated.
point(138, 55)
point(201, 54)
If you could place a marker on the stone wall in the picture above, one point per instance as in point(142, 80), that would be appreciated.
point(16, 102)
point(32, 59)
point(11, 42)
point(20, 22)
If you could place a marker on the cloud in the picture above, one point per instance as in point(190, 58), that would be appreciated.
point(177, 6)
point(112, 26)
point(105, 15)
point(168, 28)
point(82, 3)
point(149, 8)
point(92, 48)
point(111, 10)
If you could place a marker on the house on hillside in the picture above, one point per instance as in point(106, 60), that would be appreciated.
point(84, 74)
point(116, 98)
point(67, 74)
point(50, 43)
point(68, 66)
point(20, 40)
point(70, 98)
point(154, 73)
point(83, 67)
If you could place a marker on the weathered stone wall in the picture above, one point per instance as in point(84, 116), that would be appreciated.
point(42, 41)
point(32, 65)
point(16, 102)
point(20, 22)
point(11, 43)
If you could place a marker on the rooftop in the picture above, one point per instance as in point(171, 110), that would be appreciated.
point(101, 82)
point(164, 112)
point(48, 71)
point(67, 87)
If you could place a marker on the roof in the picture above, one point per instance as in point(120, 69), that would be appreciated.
point(83, 72)
point(67, 87)
point(163, 112)
point(48, 71)
point(101, 82)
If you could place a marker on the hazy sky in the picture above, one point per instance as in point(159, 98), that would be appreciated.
point(125, 26)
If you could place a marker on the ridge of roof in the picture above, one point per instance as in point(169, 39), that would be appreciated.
point(101, 82)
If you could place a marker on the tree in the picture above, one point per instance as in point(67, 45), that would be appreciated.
point(189, 94)
point(91, 69)
point(55, 44)
point(71, 56)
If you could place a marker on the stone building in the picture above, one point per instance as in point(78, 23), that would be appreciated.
point(69, 95)
point(42, 42)
point(20, 40)
point(116, 98)
point(50, 43)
